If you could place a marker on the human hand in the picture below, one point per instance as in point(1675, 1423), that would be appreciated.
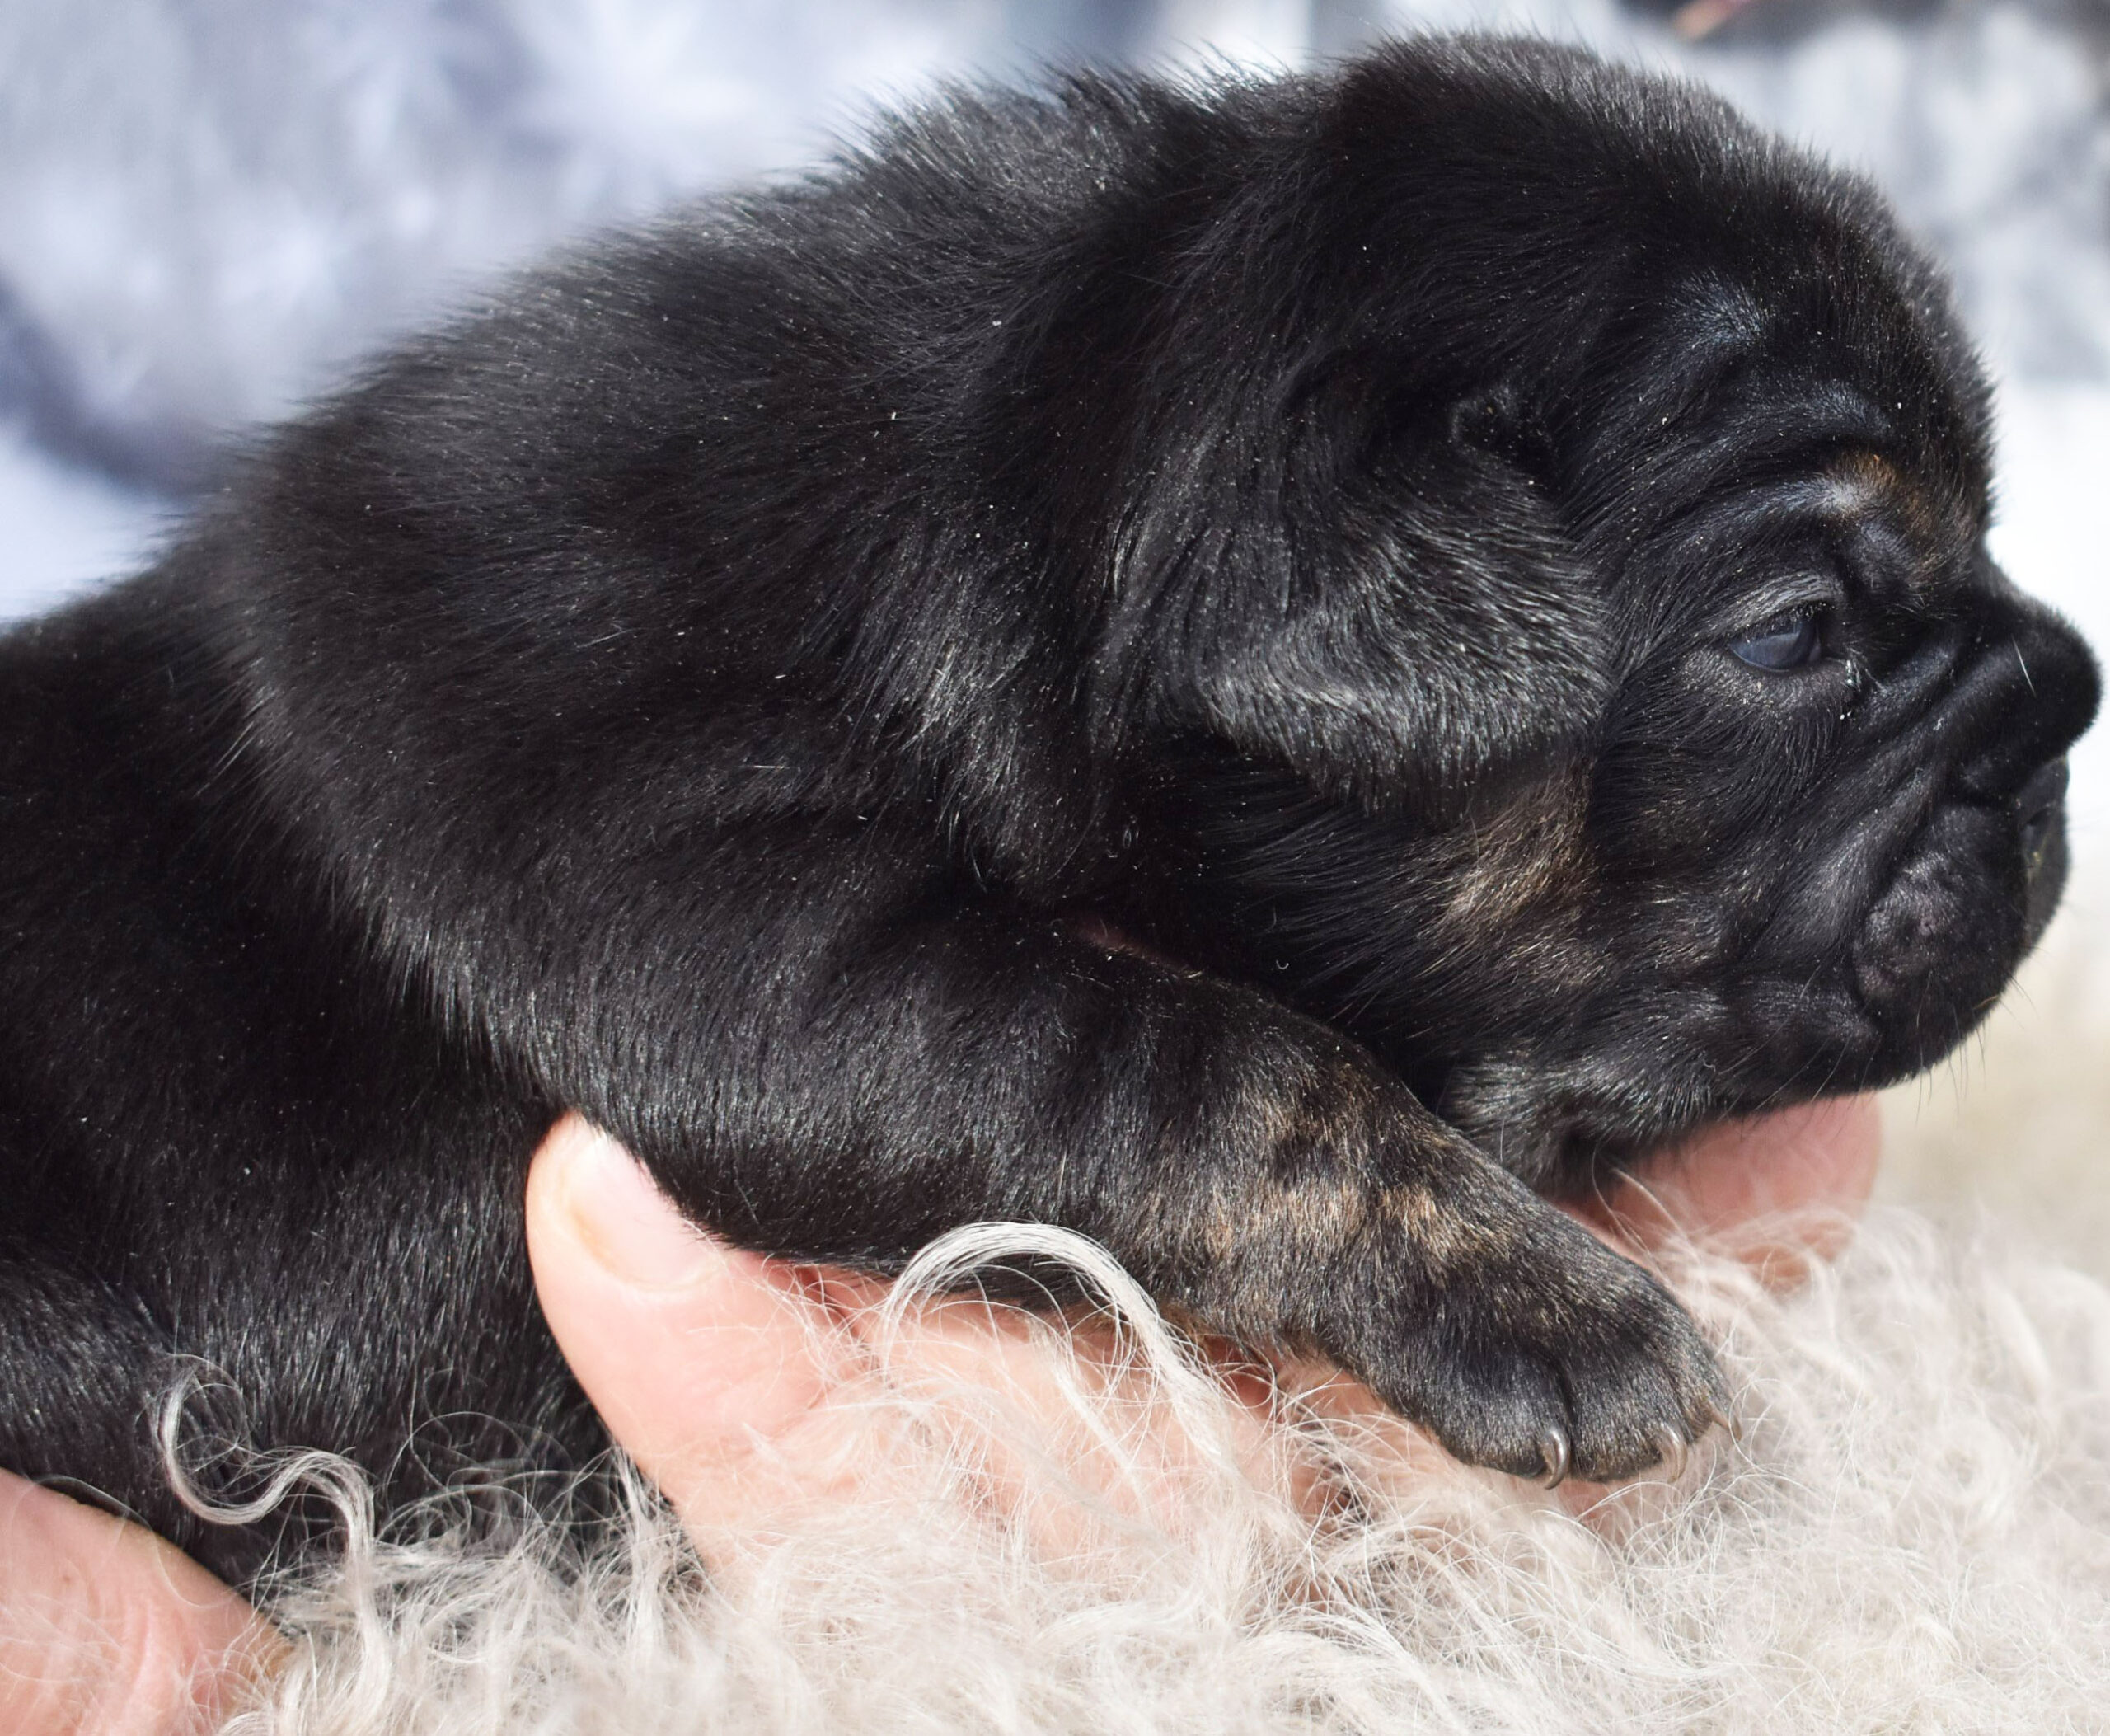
point(746, 1388)
point(752, 1392)
point(107, 1631)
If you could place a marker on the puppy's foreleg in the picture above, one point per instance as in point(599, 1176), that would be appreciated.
point(882, 1067)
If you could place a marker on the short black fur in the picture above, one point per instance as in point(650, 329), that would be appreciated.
point(1161, 660)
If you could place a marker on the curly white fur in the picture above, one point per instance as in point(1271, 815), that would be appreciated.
point(1913, 1534)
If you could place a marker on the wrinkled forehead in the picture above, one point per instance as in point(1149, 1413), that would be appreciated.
point(1838, 354)
point(1840, 406)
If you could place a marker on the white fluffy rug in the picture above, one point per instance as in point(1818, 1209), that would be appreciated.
point(1913, 1534)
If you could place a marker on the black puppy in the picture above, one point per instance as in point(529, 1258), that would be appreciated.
point(1478, 556)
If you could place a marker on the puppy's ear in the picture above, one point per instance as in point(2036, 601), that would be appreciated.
point(1372, 587)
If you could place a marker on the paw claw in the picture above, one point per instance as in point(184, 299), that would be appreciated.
point(1554, 1454)
point(1552, 1356)
point(1675, 1448)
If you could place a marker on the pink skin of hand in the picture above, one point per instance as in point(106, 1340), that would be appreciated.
point(106, 1631)
point(740, 1386)
point(1777, 1191)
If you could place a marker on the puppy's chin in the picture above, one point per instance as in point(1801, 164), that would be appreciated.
point(1842, 995)
point(1929, 953)
point(1935, 951)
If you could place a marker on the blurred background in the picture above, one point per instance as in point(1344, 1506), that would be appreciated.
point(209, 208)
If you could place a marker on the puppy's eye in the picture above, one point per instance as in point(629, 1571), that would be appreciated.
point(1790, 641)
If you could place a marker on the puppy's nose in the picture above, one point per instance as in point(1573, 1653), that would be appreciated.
point(2059, 687)
point(2031, 688)
point(2039, 806)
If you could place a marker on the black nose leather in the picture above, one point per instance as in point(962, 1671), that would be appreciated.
point(2032, 686)
point(2058, 690)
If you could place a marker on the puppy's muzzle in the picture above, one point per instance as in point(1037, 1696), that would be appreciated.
point(2040, 816)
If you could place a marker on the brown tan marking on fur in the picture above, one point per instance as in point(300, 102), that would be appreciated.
point(1867, 482)
point(1309, 1187)
point(1317, 1210)
point(1311, 1213)
point(1528, 853)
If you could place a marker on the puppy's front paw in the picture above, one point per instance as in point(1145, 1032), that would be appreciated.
point(1547, 1355)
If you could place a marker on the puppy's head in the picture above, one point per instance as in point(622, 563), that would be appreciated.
point(1567, 648)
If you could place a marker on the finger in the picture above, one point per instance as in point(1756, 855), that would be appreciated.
point(752, 1392)
point(698, 1356)
point(107, 1629)
point(1818, 1156)
point(1775, 1189)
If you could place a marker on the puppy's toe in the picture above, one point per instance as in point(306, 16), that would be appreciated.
point(1561, 1359)
point(1502, 1406)
point(1642, 1382)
